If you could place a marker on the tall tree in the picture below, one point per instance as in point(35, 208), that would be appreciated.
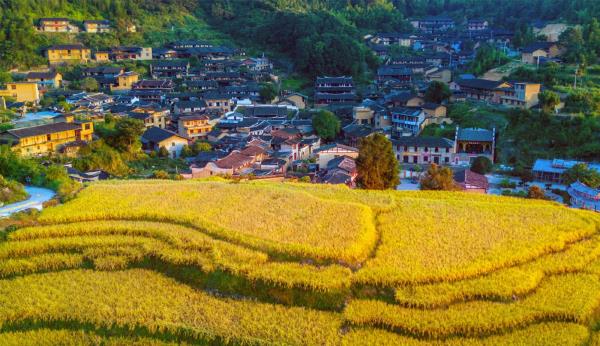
point(326, 124)
point(376, 163)
point(437, 92)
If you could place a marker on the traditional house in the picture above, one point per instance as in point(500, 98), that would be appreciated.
point(329, 152)
point(165, 86)
point(130, 53)
point(258, 64)
point(266, 111)
point(397, 73)
point(44, 139)
point(424, 150)
point(50, 79)
point(293, 99)
point(151, 116)
point(102, 56)
point(22, 91)
point(584, 197)
point(354, 133)
point(470, 143)
point(187, 107)
point(334, 91)
point(477, 24)
point(533, 52)
point(96, 26)
point(170, 69)
point(218, 101)
point(326, 99)
point(403, 99)
point(407, 120)
point(155, 138)
point(434, 24)
point(521, 95)
point(552, 171)
point(470, 181)
point(56, 25)
point(340, 170)
point(232, 164)
point(68, 53)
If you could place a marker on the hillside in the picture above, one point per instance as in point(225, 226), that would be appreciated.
point(214, 261)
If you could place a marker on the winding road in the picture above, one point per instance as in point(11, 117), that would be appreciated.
point(37, 197)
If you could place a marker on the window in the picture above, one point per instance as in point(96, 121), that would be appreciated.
point(446, 159)
point(415, 159)
point(172, 144)
point(437, 149)
point(405, 148)
point(87, 126)
point(426, 149)
point(426, 158)
point(447, 150)
point(405, 159)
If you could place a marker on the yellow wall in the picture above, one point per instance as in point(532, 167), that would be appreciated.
point(22, 91)
point(101, 56)
point(57, 56)
point(43, 144)
point(125, 82)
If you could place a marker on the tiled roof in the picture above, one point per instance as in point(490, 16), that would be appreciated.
point(468, 177)
point(473, 134)
point(423, 141)
point(234, 160)
point(43, 129)
point(156, 134)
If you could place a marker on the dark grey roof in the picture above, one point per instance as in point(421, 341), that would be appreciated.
point(43, 129)
point(409, 111)
point(266, 111)
point(358, 130)
point(423, 141)
point(67, 46)
point(156, 134)
point(42, 75)
point(472, 134)
point(479, 83)
point(538, 45)
point(329, 80)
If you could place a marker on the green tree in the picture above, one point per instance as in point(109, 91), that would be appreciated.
point(89, 84)
point(376, 164)
point(163, 152)
point(326, 124)
point(126, 135)
point(549, 100)
point(186, 151)
point(268, 92)
point(482, 165)
point(581, 172)
point(438, 178)
point(201, 146)
point(437, 92)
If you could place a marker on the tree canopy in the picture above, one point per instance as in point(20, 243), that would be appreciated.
point(326, 124)
point(376, 164)
point(438, 178)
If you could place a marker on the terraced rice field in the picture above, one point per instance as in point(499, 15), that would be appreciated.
point(218, 262)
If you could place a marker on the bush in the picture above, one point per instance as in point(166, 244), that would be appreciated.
point(482, 165)
point(160, 174)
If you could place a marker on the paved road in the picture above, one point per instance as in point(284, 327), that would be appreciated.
point(37, 197)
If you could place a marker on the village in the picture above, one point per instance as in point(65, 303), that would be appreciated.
point(213, 110)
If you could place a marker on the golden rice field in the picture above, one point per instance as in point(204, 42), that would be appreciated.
point(257, 263)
